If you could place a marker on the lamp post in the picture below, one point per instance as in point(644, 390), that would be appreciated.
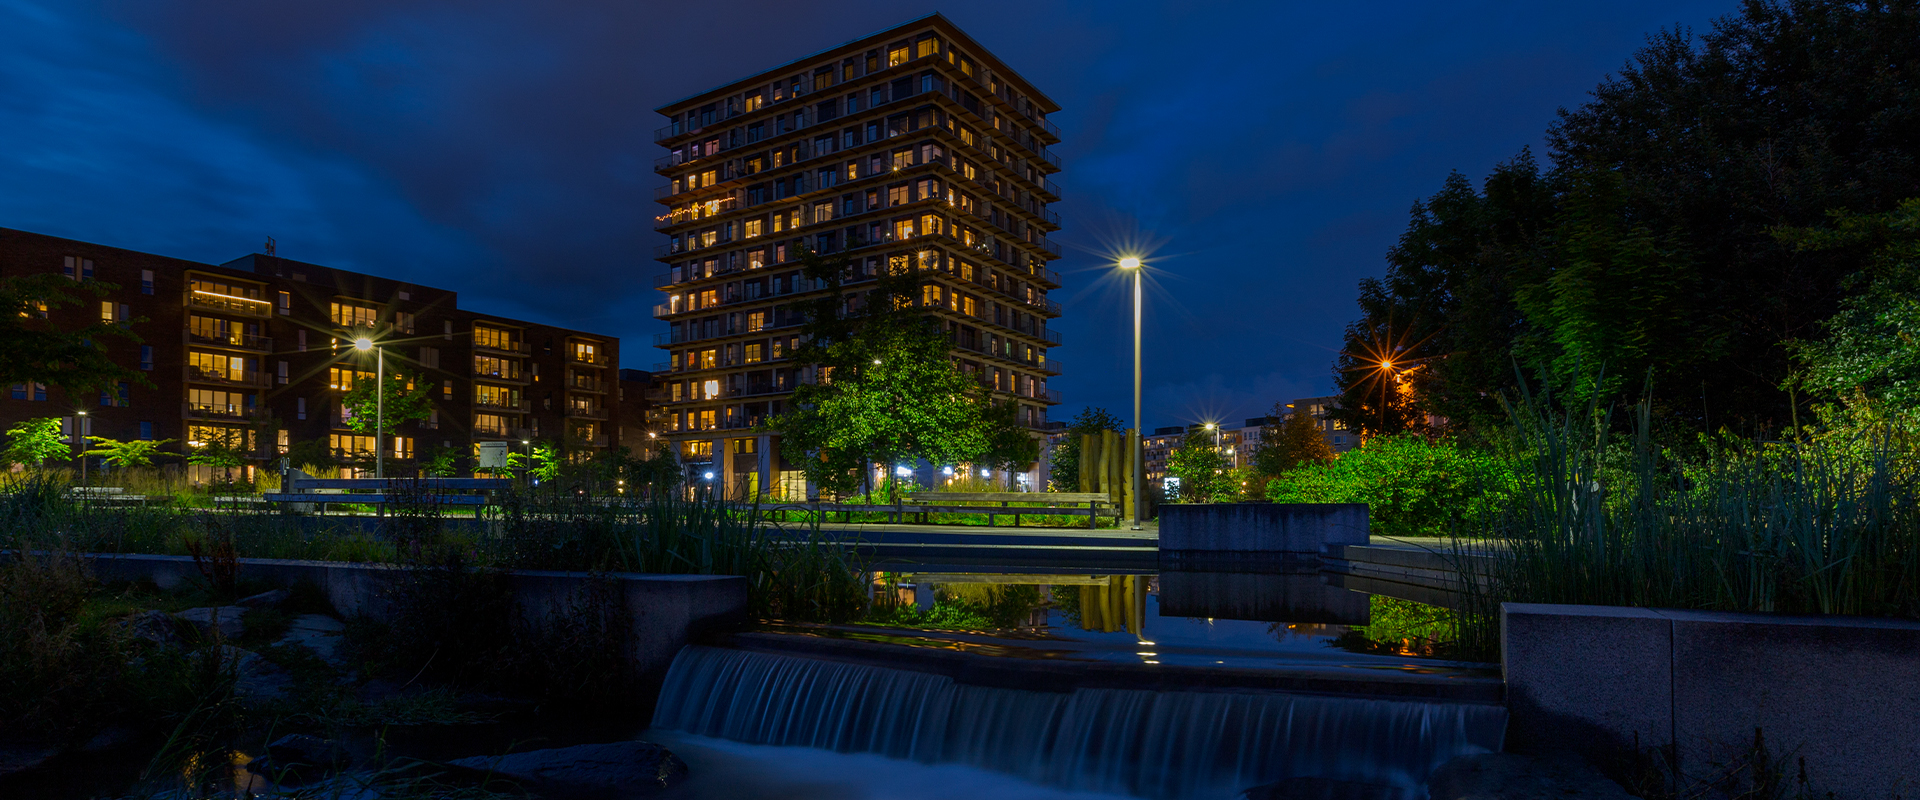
point(1132, 264)
point(363, 344)
point(80, 438)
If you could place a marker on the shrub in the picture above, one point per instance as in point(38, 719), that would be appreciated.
point(1412, 486)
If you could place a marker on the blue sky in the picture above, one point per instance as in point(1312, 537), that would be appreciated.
point(1267, 152)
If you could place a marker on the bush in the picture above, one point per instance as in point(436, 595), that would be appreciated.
point(1412, 486)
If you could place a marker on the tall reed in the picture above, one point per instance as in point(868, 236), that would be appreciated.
point(1815, 525)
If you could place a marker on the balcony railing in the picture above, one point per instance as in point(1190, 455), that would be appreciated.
point(497, 375)
point(1053, 365)
point(231, 304)
point(226, 377)
point(241, 341)
point(515, 348)
point(590, 359)
point(215, 411)
point(585, 383)
point(1053, 396)
point(586, 413)
point(494, 405)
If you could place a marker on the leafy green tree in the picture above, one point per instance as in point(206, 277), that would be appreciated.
point(443, 463)
point(1645, 251)
point(116, 453)
point(225, 451)
point(546, 462)
point(888, 390)
point(33, 442)
point(310, 454)
point(33, 349)
point(1204, 473)
point(407, 399)
point(1872, 346)
point(1063, 467)
point(1291, 438)
point(1412, 485)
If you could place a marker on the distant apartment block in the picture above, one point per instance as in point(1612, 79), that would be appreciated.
point(258, 352)
point(909, 150)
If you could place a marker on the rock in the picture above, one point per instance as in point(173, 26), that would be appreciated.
point(317, 633)
point(110, 738)
point(226, 620)
point(1506, 776)
point(616, 769)
point(157, 627)
point(264, 599)
point(254, 677)
point(20, 757)
point(1327, 789)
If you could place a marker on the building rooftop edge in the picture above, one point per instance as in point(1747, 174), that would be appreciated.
point(975, 45)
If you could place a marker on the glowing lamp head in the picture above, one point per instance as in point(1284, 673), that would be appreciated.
point(1209, 426)
point(1130, 262)
point(1386, 365)
point(363, 344)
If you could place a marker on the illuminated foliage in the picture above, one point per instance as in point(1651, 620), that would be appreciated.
point(1412, 486)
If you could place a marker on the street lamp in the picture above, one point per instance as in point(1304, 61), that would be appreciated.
point(80, 438)
point(1132, 264)
point(363, 344)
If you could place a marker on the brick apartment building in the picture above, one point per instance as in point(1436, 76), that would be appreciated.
point(258, 352)
point(911, 149)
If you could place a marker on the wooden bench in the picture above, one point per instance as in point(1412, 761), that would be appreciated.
point(299, 487)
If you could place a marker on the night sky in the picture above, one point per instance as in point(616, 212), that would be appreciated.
point(1266, 153)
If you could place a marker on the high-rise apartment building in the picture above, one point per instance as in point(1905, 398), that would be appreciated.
point(258, 352)
point(909, 149)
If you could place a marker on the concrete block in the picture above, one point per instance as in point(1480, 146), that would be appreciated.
point(1842, 692)
point(1297, 597)
point(1588, 679)
point(1256, 537)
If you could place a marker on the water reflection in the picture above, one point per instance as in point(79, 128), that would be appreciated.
point(1184, 618)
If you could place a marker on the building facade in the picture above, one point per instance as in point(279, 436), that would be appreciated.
point(913, 149)
point(1335, 431)
point(258, 352)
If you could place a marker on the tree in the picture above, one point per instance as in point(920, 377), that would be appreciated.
point(1646, 251)
point(34, 350)
point(35, 441)
point(1288, 440)
point(1204, 474)
point(443, 463)
point(116, 453)
point(887, 389)
point(1872, 346)
point(407, 399)
point(224, 450)
point(1063, 468)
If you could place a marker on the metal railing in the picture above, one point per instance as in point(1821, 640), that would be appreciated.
point(586, 413)
point(215, 411)
point(199, 298)
point(590, 359)
point(242, 341)
point(225, 377)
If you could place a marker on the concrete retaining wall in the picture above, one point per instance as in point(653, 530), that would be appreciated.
point(1256, 537)
point(663, 611)
point(1842, 692)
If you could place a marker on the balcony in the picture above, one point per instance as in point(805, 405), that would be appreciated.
point(235, 341)
point(586, 383)
point(226, 377)
point(679, 128)
point(1053, 396)
point(520, 378)
point(225, 411)
point(229, 304)
point(1052, 365)
point(480, 404)
point(586, 413)
point(509, 348)
point(589, 359)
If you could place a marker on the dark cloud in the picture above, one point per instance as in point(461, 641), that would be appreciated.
point(504, 149)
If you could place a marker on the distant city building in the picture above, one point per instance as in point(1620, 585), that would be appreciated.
point(912, 149)
point(639, 411)
point(1336, 433)
point(258, 352)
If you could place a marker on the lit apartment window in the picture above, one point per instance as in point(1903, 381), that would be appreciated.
point(710, 390)
point(927, 47)
point(902, 159)
point(752, 228)
point(752, 356)
point(903, 229)
point(707, 358)
point(932, 225)
point(756, 321)
point(353, 315)
point(897, 56)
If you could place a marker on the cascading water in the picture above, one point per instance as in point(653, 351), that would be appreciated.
point(1144, 743)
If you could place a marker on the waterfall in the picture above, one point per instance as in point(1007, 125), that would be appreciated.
point(1144, 743)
